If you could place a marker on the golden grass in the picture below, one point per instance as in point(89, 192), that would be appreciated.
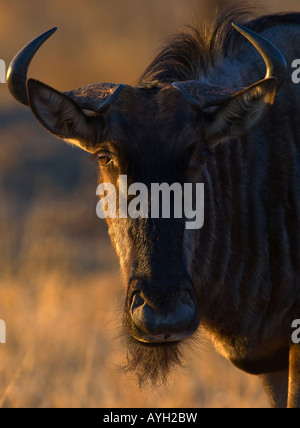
point(62, 351)
point(63, 325)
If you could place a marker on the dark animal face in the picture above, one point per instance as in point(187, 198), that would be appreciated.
point(155, 134)
point(152, 136)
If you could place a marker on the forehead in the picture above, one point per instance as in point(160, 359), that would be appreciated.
point(154, 114)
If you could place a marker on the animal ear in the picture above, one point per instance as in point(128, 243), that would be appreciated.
point(62, 117)
point(240, 113)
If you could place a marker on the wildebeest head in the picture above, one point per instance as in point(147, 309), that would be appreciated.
point(151, 134)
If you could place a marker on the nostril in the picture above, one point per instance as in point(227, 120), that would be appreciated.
point(172, 317)
point(136, 300)
point(187, 298)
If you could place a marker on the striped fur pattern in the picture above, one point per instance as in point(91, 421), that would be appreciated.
point(246, 264)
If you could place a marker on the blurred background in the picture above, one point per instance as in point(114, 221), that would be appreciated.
point(60, 287)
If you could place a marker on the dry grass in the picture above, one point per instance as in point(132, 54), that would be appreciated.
point(61, 298)
point(63, 351)
point(60, 289)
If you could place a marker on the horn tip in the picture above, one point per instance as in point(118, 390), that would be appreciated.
point(50, 32)
point(238, 27)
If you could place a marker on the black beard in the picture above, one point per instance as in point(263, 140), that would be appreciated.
point(151, 364)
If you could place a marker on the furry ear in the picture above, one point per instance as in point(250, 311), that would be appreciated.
point(242, 112)
point(62, 117)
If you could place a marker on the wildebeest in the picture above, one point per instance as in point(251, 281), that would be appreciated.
point(201, 113)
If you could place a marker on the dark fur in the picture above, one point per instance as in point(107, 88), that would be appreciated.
point(231, 279)
point(198, 49)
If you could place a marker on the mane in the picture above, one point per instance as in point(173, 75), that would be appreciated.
point(193, 52)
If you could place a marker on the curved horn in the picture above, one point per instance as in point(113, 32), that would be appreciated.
point(18, 68)
point(275, 62)
point(92, 97)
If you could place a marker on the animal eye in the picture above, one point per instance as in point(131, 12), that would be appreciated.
point(104, 158)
